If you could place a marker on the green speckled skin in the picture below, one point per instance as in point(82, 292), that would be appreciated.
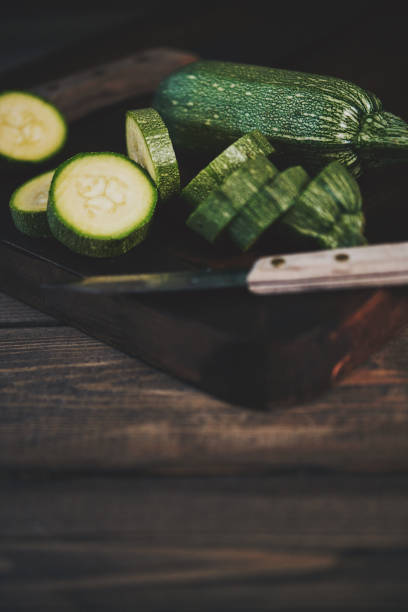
point(34, 224)
point(163, 158)
point(265, 207)
point(220, 207)
point(329, 211)
point(84, 244)
point(247, 147)
point(312, 119)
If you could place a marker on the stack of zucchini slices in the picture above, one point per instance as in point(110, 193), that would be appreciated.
point(242, 194)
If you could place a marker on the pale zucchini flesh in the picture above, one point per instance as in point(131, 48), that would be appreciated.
point(28, 206)
point(148, 143)
point(249, 146)
point(31, 129)
point(101, 204)
point(223, 204)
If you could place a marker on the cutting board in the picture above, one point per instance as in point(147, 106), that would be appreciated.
point(247, 349)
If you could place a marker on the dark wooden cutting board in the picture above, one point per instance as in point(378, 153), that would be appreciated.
point(247, 349)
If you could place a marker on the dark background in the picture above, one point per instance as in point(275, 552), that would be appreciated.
point(264, 32)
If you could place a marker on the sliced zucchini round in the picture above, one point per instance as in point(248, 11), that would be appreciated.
point(148, 143)
point(101, 204)
point(266, 206)
point(329, 210)
point(247, 147)
point(31, 129)
point(220, 207)
point(28, 206)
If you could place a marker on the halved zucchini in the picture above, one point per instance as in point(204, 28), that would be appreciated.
point(100, 204)
point(31, 129)
point(148, 143)
point(28, 206)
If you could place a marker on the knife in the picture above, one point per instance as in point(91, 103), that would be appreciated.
point(349, 268)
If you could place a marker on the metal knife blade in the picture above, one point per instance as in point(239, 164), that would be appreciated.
point(348, 268)
point(165, 281)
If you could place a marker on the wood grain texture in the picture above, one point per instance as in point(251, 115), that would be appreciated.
point(14, 313)
point(198, 544)
point(70, 403)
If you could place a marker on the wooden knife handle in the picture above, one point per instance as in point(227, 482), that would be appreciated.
point(80, 93)
point(366, 266)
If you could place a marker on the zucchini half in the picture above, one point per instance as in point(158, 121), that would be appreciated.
point(28, 206)
point(100, 204)
point(31, 129)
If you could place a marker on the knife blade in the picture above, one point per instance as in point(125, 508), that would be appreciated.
point(348, 268)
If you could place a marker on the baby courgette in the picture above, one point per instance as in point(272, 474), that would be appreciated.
point(312, 119)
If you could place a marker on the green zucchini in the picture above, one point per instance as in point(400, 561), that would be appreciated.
point(28, 206)
point(148, 143)
point(311, 119)
point(220, 207)
point(100, 204)
point(31, 129)
point(247, 147)
point(329, 211)
point(266, 206)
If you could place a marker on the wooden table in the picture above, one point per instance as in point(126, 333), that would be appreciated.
point(126, 489)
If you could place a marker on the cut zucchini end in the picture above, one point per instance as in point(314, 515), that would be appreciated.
point(101, 204)
point(148, 144)
point(31, 129)
point(28, 206)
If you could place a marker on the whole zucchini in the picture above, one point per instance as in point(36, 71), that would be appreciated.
point(312, 119)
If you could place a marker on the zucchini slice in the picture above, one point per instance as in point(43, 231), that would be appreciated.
point(148, 143)
point(266, 206)
point(329, 210)
point(31, 129)
point(100, 204)
point(28, 206)
point(220, 207)
point(247, 147)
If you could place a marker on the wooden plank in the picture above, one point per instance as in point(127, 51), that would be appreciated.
point(196, 544)
point(14, 313)
point(70, 403)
